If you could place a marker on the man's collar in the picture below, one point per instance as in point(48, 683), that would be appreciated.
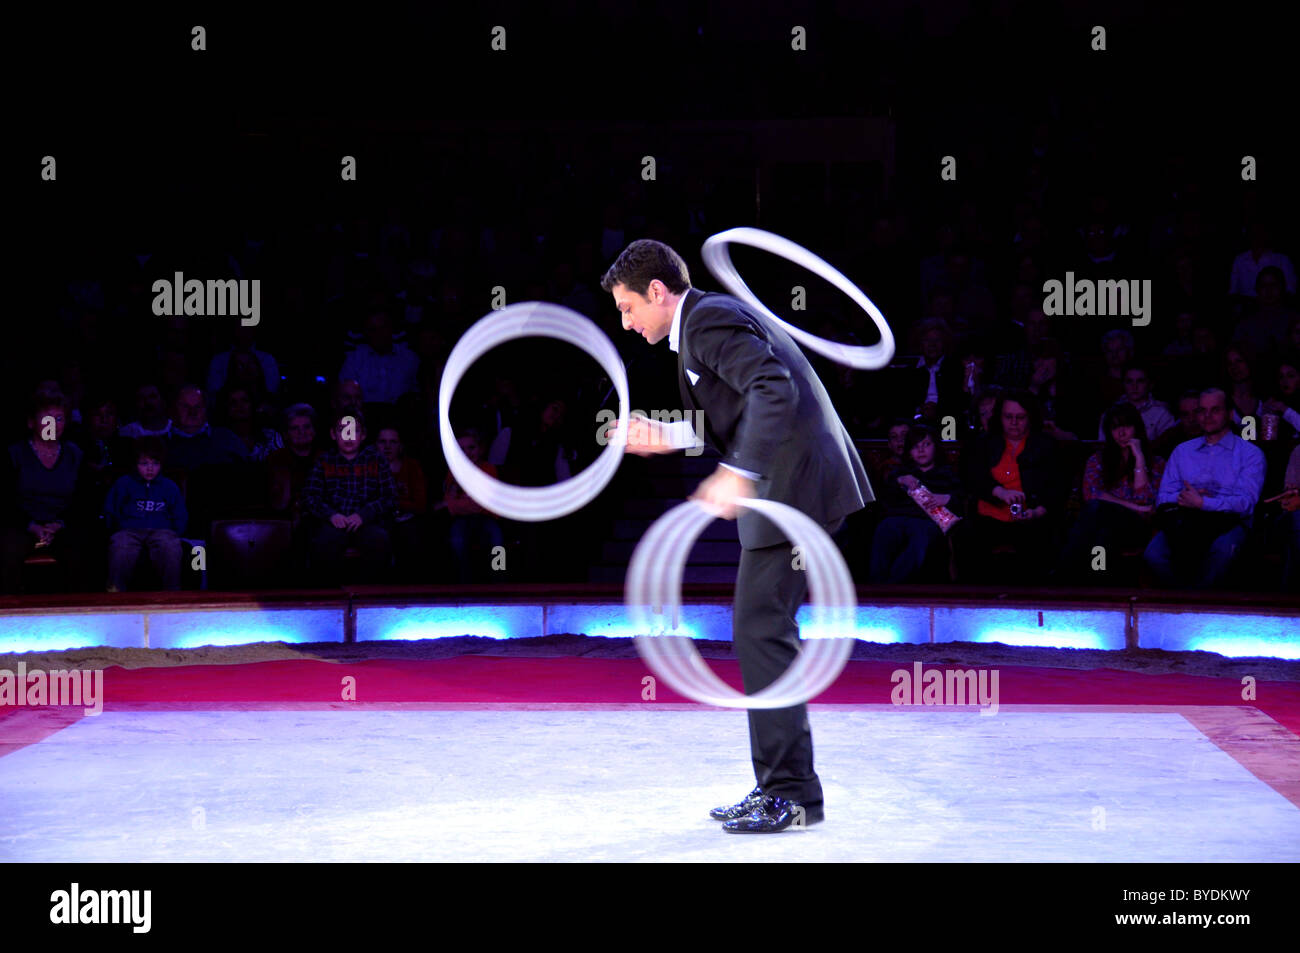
point(920, 361)
point(206, 428)
point(674, 333)
point(1224, 441)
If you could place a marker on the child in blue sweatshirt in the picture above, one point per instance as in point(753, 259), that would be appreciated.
point(145, 512)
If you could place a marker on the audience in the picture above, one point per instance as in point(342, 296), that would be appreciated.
point(144, 515)
point(400, 289)
point(1206, 500)
point(1015, 475)
point(47, 497)
point(1119, 493)
point(907, 538)
point(349, 502)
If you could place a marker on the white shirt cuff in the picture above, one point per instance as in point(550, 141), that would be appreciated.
point(679, 434)
point(747, 474)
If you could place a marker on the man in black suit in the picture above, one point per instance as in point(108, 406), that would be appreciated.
point(767, 413)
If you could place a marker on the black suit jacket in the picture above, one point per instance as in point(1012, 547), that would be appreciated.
point(916, 384)
point(765, 410)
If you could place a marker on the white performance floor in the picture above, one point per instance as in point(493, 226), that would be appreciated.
point(629, 785)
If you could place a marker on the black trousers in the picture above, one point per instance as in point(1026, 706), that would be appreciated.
point(769, 590)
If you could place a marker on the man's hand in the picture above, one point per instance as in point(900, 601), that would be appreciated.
point(339, 521)
point(1191, 496)
point(354, 522)
point(722, 489)
point(644, 436)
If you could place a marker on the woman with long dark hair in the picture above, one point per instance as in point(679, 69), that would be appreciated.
point(1120, 483)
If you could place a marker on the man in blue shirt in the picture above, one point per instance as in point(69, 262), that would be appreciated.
point(1215, 482)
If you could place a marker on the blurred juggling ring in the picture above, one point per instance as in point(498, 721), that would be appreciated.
point(653, 597)
point(717, 256)
point(531, 319)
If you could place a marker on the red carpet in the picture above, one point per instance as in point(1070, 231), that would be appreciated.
point(484, 680)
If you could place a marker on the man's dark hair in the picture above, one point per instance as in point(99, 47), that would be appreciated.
point(642, 262)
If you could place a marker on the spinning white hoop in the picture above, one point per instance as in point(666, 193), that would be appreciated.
point(653, 595)
point(717, 257)
point(532, 319)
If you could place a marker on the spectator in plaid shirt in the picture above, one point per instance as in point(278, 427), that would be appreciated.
point(349, 500)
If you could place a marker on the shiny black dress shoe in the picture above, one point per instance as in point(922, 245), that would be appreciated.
point(775, 814)
point(732, 811)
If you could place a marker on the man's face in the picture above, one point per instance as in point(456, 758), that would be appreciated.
point(191, 411)
point(923, 452)
point(350, 395)
point(897, 435)
point(932, 345)
point(650, 316)
point(103, 421)
point(389, 444)
point(348, 445)
point(471, 447)
point(1189, 410)
point(148, 401)
point(301, 432)
point(1288, 380)
point(1268, 290)
point(1117, 352)
point(1136, 386)
point(1212, 413)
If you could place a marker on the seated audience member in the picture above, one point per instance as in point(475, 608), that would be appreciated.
point(1016, 478)
point(1120, 483)
point(1206, 500)
point(907, 537)
point(243, 361)
point(144, 514)
point(1059, 408)
point(241, 405)
point(1287, 523)
point(896, 438)
point(411, 503)
point(289, 466)
point(1286, 400)
point(535, 451)
point(193, 442)
point(348, 501)
point(471, 524)
point(1264, 329)
point(1186, 427)
point(108, 455)
point(1156, 417)
point(386, 369)
point(1117, 354)
point(1243, 388)
point(1255, 260)
point(932, 389)
point(150, 420)
point(46, 497)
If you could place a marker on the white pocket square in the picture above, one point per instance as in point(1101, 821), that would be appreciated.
point(694, 378)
